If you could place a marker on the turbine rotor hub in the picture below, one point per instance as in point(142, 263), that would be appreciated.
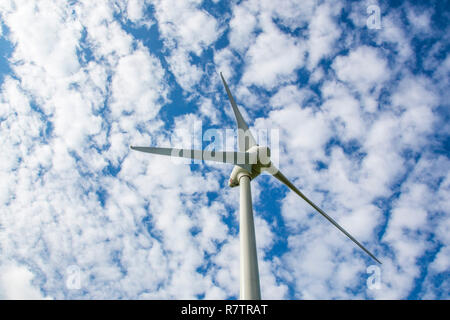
point(257, 159)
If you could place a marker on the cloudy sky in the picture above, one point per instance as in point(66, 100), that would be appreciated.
point(357, 91)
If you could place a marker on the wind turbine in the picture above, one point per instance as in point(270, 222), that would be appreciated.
point(249, 162)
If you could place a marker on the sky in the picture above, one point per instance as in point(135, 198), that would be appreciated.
point(356, 91)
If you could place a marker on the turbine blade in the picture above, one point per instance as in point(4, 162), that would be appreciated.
point(231, 157)
point(284, 180)
point(245, 137)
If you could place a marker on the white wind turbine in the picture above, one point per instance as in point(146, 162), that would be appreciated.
point(249, 161)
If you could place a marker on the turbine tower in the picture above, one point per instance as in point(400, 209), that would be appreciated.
point(249, 162)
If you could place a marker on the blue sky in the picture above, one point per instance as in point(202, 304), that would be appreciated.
point(363, 124)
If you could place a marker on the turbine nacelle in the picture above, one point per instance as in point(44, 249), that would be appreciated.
point(253, 162)
point(262, 154)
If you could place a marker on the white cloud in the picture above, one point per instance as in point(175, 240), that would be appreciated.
point(407, 231)
point(272, 59)
point(186, 29)
point(224, 60)
point(442, 261)
point(363, 68)
point(242, 26)
point(323, 33)
point(42, 40)
point(290, 96)
point(394, 34)
point(184, 24)
point(416, 99)
point(16, 283)
point(135, 11)
point(137, 84)
point(209, 110)
point(419, 19)
point(187, 74)
point(292, 13)
point(344, 109)
point(383, 152)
